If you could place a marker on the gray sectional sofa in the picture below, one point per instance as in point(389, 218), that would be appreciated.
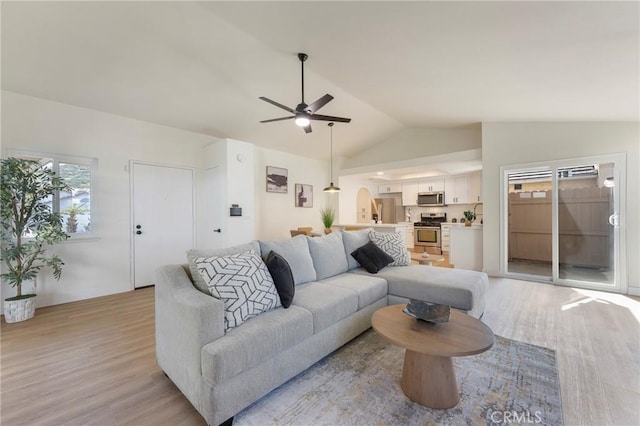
point(221, 373)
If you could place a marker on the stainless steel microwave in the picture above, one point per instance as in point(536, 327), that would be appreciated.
point(431, 199)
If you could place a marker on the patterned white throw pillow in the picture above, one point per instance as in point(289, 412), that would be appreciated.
point(243, 283)
point(393, 244)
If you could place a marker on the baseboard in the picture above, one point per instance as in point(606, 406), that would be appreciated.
point(633, 291)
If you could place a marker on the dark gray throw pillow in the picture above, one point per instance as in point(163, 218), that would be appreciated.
point(371, 257)
point(282, 277)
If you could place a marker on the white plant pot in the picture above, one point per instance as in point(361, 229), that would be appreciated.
point(19, 310)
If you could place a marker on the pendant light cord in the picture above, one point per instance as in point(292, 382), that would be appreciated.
point(331, 187)
point(331, 154)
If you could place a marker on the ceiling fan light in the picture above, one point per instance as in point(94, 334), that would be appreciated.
point(302, 121)
point(332, 188)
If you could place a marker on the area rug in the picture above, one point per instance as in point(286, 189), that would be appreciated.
point(359, 384)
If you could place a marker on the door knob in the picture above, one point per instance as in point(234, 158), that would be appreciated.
point(138, 232)
point(613, 220)
point(217, 230)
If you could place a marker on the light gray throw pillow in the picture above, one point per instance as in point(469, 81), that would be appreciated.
point(327, 254)
point(296, 252)
point(198, 281)
point(352, 241)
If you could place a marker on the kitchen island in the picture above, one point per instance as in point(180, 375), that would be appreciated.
point(465, 244)
point(378, 227)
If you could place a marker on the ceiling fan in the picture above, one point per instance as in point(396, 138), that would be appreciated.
point(303, 113)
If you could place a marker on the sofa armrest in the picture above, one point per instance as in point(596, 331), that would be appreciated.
point(186, 320)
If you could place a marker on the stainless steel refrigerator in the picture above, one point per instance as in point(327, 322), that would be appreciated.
point(386, 210)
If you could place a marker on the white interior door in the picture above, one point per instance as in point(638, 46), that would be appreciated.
point(163, 219)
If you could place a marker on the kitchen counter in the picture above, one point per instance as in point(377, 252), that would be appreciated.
point(461, 225)
point(378, 227)
point(371, 225)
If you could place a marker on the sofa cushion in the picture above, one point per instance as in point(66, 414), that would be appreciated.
point(371, 257)
point(394, 245)
point(243, 283)
point(296, 252)
point(328, 256)
point(369, 289)
point(459, 288)
point(282, 277)
point(259, 338)
point(198, 281)
point(328, 304)
point(352, 240)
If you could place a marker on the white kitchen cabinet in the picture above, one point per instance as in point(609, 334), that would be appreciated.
point(389, 188)
point(431, 185)
point(466, 247)
point(409, 238)
point(456, 190)
point(410, 193)
point(475, 187)
point(445, 231)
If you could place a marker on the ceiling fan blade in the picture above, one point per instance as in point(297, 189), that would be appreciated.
point(329, 118)
point(315, 106)
point(277, 119)
point(307, 128)
point(286, 108)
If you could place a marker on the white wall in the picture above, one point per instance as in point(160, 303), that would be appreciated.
point(349, 187)
point(101, 266)
point(276, 213)
point(236, 185)
point(409, 148)
point(416, 143)
point(520, 143)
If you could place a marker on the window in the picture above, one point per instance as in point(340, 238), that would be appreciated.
point(76, 206)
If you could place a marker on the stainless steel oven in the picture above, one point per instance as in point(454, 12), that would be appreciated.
point(429, 237)
point(427, 232)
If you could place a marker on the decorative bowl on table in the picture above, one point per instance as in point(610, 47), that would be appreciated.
point(430, 312)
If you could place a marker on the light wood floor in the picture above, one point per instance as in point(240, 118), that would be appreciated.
point(92, 362)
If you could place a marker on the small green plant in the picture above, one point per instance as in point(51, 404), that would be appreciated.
point(469, 216)
point(328, 215)
point(28, 224)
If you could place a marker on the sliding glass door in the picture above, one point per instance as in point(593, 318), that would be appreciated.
point(562, 222)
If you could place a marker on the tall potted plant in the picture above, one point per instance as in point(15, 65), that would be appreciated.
point(28, 226)
point(327, 215)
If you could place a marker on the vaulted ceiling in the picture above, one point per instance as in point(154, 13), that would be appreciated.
point(201, 66)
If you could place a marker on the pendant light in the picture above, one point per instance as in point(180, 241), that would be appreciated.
point(331, 187)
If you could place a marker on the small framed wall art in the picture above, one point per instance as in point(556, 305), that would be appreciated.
point(277, 179)
point(304, 195)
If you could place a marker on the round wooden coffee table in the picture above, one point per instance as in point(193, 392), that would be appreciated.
point(426, 260)
point(428, 376)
